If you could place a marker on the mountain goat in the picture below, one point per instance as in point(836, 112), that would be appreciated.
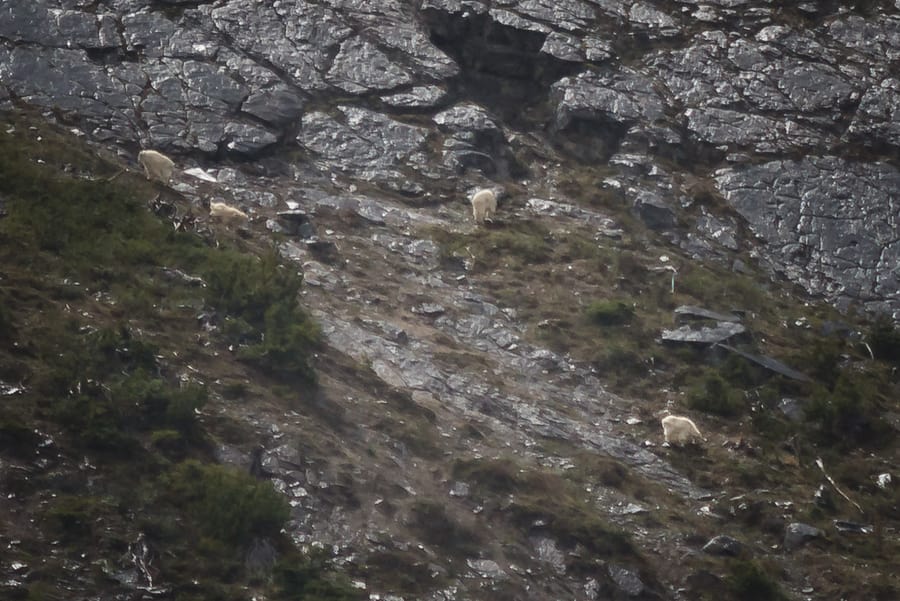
point(680, 430)
point(484, 205)
point(219, 211)
point(156, 165)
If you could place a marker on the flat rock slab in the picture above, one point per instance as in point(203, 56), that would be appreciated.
point(691, 311)
point(705, 335)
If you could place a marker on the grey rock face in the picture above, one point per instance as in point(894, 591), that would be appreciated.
point(596, 114)
point(361, 67)
point(829, 224)
point(719, 231)
point(278, 105)
point(624, 97)
point(475, 140)
point(738, 129)
point(295, 38)
point(365, 142)
point(877, 119)
point(358, 111)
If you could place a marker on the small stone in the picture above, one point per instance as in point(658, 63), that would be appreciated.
point(852, 527)
point(654, 211)
point(626, 579)
point(792, 409)
point(487, 568)
point(633, 509)
point(459, 489)
point(723, 545)
point(429, 309)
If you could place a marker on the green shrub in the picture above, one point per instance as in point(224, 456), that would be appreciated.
point(94, 421)
point(618, 361)
point(740, 372)
point(848, 414)
point(260, 297)
point(822, 361)
point(609, 313)
point(7, 321)
point(519, 244)
point(713, 394)
point(576, 248)
point(82, 227)
point(436, 527)
point(234, 390)
point(716, 287)
point(78, 253)
point(884, 338)
point(16, 438)
point(308, 578)
point(540, 496)
point(170, 443)
point(147, 403)
point(767, 420)
point(226, 504)
point(286, 343)
point(104, 412)
point(101, 234)
point(499, 476)
point(748, 581)
point(525, 247)
point(246, 285)
point(72, 517)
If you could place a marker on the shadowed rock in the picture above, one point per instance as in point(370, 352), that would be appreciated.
point(796, 535)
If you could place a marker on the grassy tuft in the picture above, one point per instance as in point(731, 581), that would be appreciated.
point(228, 505)
point(545, 500)
point(748, 581)
point(97, 329)
point(436, 526)
point(713, 394)
point(609, 313)
point(884, 338)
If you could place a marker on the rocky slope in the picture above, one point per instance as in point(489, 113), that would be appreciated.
point(485, 424)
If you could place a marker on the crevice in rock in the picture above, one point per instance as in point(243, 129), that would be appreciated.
point(501, 67)
point(175, 8)
point(590, 140)
point(111, 56)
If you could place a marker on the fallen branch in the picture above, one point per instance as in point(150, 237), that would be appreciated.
point(667, 268)
point(834, 484)
point(112, 177)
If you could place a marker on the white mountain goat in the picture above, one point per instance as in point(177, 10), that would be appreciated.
point(484, 205)
point(219, 211)
point(156, 165)
point(680, 430)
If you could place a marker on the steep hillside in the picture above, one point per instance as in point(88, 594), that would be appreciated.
point(361, 393)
